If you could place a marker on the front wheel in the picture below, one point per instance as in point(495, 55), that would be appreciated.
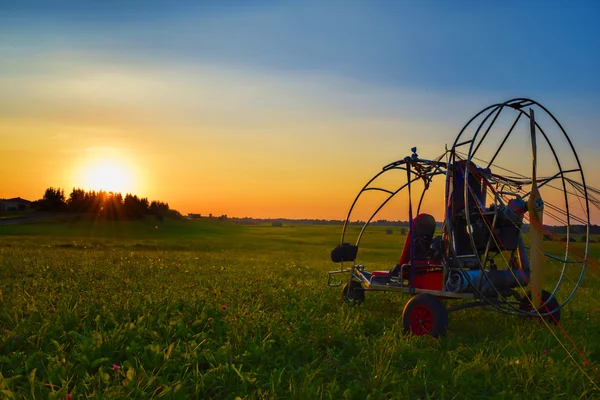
point(353, 291)
point(425, 314)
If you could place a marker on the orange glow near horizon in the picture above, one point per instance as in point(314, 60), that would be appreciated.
point(256, 153)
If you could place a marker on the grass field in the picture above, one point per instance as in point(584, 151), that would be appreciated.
point(212, 310)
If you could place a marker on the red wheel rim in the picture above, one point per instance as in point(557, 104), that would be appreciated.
point(421, 320)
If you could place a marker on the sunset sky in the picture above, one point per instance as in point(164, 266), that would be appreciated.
point(274, 108)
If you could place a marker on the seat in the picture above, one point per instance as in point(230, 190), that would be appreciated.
point(422, 231)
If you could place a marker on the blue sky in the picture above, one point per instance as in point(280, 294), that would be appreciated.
point(541, 47)
point(295, 77)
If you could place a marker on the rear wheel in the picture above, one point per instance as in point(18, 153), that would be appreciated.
point(353, 291)
point(425, 314)
point(551, 307)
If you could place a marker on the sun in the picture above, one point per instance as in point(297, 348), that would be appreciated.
point(108, 175)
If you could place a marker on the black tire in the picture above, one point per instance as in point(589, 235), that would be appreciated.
point(546, 307)
point(425, 314)
point(353, 292)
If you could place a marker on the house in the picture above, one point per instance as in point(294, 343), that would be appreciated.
point(15, 204)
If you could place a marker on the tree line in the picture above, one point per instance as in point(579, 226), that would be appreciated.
point(103, 204)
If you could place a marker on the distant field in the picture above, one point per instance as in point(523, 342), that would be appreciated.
point(13, 214)
point(203, 309)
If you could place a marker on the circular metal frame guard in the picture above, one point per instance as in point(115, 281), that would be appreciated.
point(483, 122)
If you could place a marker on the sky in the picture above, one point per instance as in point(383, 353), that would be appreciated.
point(274, 108)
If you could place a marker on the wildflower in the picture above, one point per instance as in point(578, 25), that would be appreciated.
point(274, 310)
point(55, 297)
point(210, 320)
point(290, 326)
point(585, 363)
point(545, 352)
point(190, 321)
point(116, 367)
point(223, 308)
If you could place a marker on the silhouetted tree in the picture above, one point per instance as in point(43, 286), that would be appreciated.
point(159, 209)
point(78, 201)
point(132, 207)
point(144, 205)
point(53, 200)
point(174, 214)
point(113, 206)
point(104, 205)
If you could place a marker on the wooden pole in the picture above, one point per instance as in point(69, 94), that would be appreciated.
point(536, 235)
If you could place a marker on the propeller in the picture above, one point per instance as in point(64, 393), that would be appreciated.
point(535, 207)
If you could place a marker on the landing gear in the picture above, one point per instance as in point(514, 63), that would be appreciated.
point(353, 291)
point(425, 314)
point(551, 307)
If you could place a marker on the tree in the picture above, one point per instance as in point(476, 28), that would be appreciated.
point(133, 207)
point(159, 209)
point(106, 205)
point(113, 206)
point(144, 205)
point(176, 215)
point(78, 201)
point(53, 200)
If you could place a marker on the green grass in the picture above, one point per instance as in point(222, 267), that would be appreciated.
point(212, 310)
